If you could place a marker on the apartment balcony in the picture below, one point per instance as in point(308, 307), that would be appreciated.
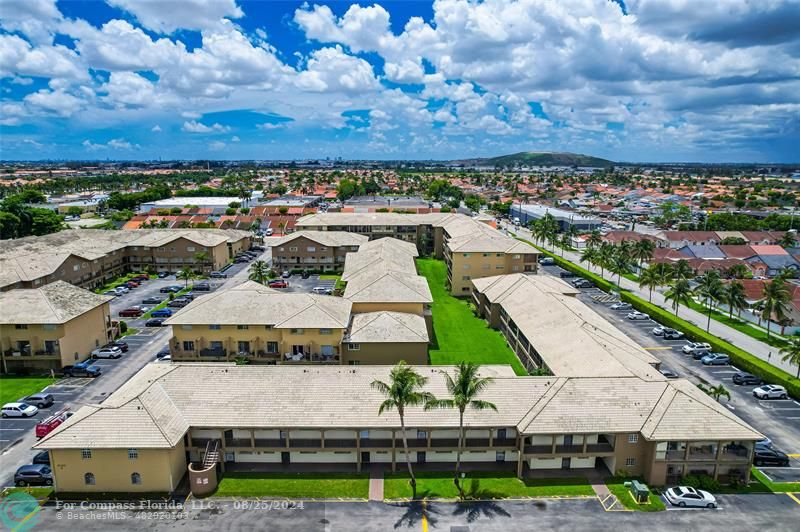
point(378, 443)
point(310, 358)
point(238, 442)
point(271, 442)
point(602, 446)
point(338, 443)
point(201, 443)
point(305, 443)
point(734, 452)
point(209, 352)
point(678, 454)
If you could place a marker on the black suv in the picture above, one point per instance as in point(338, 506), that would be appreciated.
point(34, 475)
point(768, 456)
point(746, 378)
point(81, 371)
point(566, 274)
point(201, 287)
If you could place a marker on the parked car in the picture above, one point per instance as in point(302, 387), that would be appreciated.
point(286, 274)
point(19, 410)
point(621, 306)
point(81, 370)
point(107, 352)
point(692, 347)
point(111, 293)
point(201, 287)
point(163, 353)
point(257, 248)
point(34, 475)
point(767, 456)
point(131, 285)
point(700, 354)
point(163, 275)
point(659, 330)
point(171, 289)
point(155, 322)
point(684, 496)
point(715, 359)
point(132, 312)
point(161, 313)
point(547, 261)
point(42, 457)
point(152, 300)
point(178, 303)
point(770, 391)
point(567, 274)
point(636, 316)
point(218, 275)
point(672, 334)
point(278, 283)
point(305, 275)
point(241, 259)
point(40, 400)
point(121, 290)
point(746, 378)
point(668, 373)
point(582, 283)
point(322, 290)
point(122, 344)
point(766, 442)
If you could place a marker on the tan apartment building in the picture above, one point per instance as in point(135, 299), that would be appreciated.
point(89, 258)
point(322, 251)
point(204, 415)
point(472, 249)
point(51, 327)
point(384, 338)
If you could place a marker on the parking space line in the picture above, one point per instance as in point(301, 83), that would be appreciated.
point(660, 348)
point(792, 496)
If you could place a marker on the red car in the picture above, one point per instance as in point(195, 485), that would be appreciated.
point(130, 313)
point(278, 283)
point(140, 278)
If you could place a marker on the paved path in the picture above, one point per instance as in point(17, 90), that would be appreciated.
point(376, 485)
point(755, 347)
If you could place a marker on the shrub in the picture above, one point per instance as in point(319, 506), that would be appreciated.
point(703, 482)
point(123, 327)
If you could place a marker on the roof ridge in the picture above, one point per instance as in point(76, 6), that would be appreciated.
point(719, 410)
point(667, 387)
point(401, 322)
point(543, 400)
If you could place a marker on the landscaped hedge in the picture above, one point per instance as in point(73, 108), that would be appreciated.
point(602, 284)
point(740, 358)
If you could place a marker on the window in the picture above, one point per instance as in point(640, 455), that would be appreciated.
point(20, 326)
point(293, 248)
point(49, 327)
point(86, 454)
point(133, 454)
point(214, 327)
point(88, 479)
point(188, 345)
point(272, 347)
point(354, 363)
point(296, 331)
point(633, 438)
point(136, 478)
point(326, 331)
point(517, 256)
point(353, 347)
point(465, 277)
point(630, 462)
point(186, 327)
point(242, 327)
point(189, 248)
point(311, 249)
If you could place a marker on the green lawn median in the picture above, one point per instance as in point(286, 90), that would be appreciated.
point(295, 485)
point(616, 486)
point(775, 487)
point(459, 334)
point(483, 485)
point(166, 302)
point(13, 388)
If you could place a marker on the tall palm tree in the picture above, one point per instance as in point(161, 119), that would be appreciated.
point(734, 296)
point(605, 254)
point(201, 257)
point(682, 270)
point(589, 255)
point(788, 240)
point(666, 273)
point(565, 242)
point(650, 278)
point(594, 239)
point(737, 271)
point(464, 389)
point(791, 353)
point(680, 293)
point(620, 262)
point(775, 302)
point(186, 274)
point(404, 389)
point(716, 392)
point(710, 289)
point(259, 271)
point(643, 251)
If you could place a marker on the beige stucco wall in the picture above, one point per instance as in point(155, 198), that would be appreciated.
point(387, 353)
point(161, 470)
point(624, 450)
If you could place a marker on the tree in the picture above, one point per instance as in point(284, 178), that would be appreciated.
point(259, 271)
point(734, 296)
point(589, 255)
point(679, 293)
point(710, 289)
point(186, 275)
point(404, 389)
point(737, 271)
point(788, 240)
point(643, 250)
point(605, 254)
point(716, 392)
point(464, 389)
point(682, 270)
point(594, 239)
point(201, 257)
point(775, 302)
point(74, 211)
point(649, 278)
point(9, 225)
point(791, 354)
point(45, 221)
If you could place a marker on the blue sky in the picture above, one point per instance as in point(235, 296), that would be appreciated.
point(640, 80)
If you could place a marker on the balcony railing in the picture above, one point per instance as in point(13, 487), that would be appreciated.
point(372, 443)
point(270, 442)
point(237, 442)
point(338, 443)
point(209, 352)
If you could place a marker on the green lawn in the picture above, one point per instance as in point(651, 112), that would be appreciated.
point(294, 485)
point(340, 285)
point(775, 487)
point(36, 493)
point(459, 334)
point(129, 331)
point(616, 486)
point(484, 485)
point(118, 281)
point(13, 388)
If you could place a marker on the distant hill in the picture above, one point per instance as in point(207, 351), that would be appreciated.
point(543, 158)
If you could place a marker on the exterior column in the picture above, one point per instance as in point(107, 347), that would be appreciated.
point(491, 437)
point(520, 454)
point(252, 438)
point(394, 463)
point(553, 447)
point(358, 451)
point(584, 443)
point(686, 452)
point(430, 434)
point(322, 439)
point(222, 438)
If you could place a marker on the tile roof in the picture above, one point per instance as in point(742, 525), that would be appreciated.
point(53, 303)
point(325, 238)
point(387, 327)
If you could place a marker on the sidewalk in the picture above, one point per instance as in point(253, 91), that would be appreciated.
point(759, 349)
point(376, 485)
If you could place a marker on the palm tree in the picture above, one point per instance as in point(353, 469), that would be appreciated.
point(680, 293)
point(464, 389)
point(775, 302)
point(791, 354)
point(186, 274)
point(734, 296)
point(737, 271)
point(565, 242)
point(710, 289)
point(716, 392)
point(201, 257)
point(620, 262)
point(682, 270)
point(404, 390)
point(594, 239)
point(643, 251)
point(259, 271)
point(605, 254)
point(787, 240)
point(650, 278)
point(666, 273)
point(589, 255)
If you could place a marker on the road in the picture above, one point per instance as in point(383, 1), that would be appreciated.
point(765, 352)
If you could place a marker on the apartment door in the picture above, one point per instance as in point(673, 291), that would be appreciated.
point(421, 457)
point(50, 346)
point(228, 435)
point(568, 439)
point(500, 456)
point(297, 349)
point(365, 457)
point(501, 434)
point(286, 458)
point(565, 463)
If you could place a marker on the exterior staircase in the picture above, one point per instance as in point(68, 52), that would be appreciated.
point(211, 455)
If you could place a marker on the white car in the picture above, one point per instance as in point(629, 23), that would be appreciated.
point(547, 261)
point(684, 496)
point(636, 315)
point(107, 352)
point(770, 391)
point(19, 410)
point(694, 347)
point(322, 290)
point(122, 290)
point(659, 331)
point(621, 306)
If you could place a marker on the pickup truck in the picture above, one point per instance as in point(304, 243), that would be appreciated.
point(81, 370)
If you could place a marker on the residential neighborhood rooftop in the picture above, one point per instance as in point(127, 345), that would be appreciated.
point(51, 304)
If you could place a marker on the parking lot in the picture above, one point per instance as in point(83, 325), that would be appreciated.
point(777, 419)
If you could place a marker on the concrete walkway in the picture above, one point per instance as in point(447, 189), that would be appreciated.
point(607, 499)
point(376, 485)
point(765, 352)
